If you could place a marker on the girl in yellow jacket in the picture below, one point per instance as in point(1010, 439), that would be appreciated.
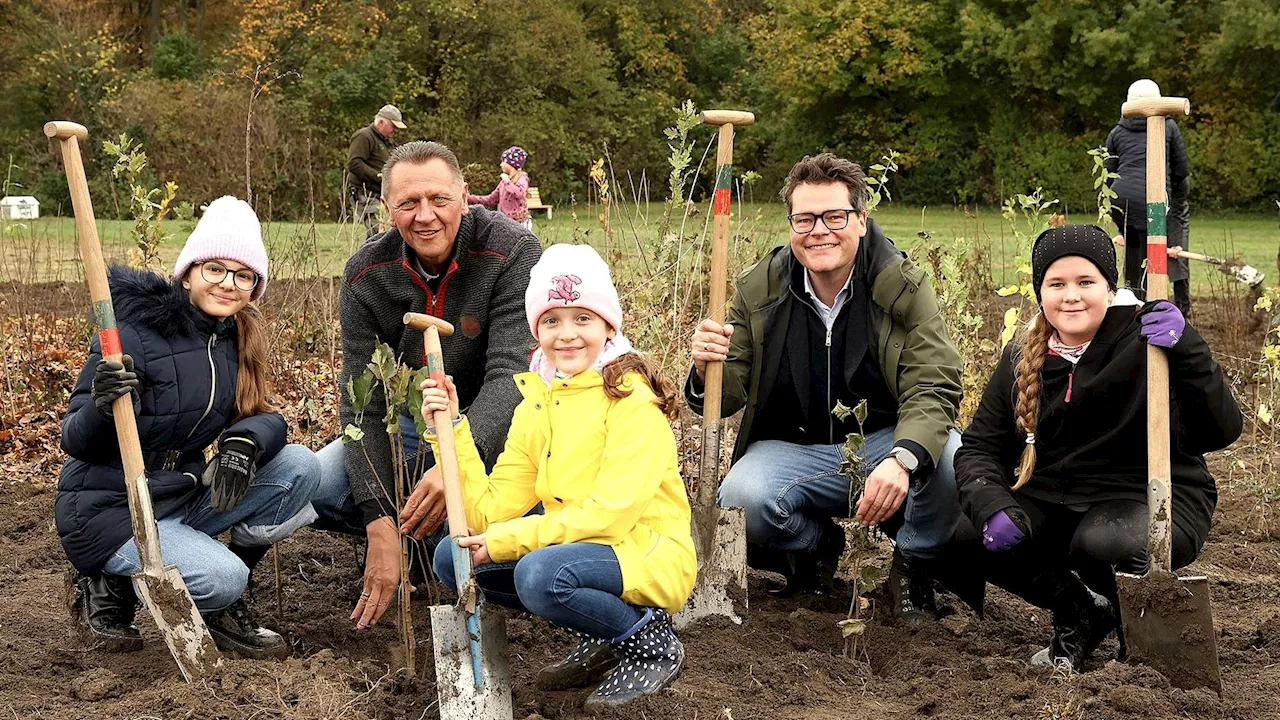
point(610, 556)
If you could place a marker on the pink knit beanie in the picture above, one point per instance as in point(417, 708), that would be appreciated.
point(571, 276)
point(229, 230)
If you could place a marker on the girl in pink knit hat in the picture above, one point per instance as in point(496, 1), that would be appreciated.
point(610, 555)
point(511, 196)
point(195, 365)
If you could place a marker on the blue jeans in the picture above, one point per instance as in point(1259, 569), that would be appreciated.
point(786, 488)
point(334, 504)
point(576, 586)
point(277, 504)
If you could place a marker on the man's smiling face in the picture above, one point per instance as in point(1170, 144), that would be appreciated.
point(426, 203)
point(823, 250)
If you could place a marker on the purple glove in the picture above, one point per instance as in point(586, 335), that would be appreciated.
point(1162, 324)
point(1004, 529)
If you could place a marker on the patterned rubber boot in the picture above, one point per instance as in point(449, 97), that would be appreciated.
point(589, 663)
point(650, 658)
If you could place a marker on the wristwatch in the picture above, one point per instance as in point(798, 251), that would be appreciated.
point(906, 459)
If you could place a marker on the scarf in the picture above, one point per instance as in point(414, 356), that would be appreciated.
point(1070, 353)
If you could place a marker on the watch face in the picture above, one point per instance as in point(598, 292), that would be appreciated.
point(907, 459)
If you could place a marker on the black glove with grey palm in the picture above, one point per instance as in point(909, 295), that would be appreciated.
point(112, 380)
point(230, 472)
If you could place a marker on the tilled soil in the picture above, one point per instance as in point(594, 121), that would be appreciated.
point(784, 661)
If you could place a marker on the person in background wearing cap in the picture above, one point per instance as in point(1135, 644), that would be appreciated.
point(1127, 147)
point(611, 556)
point(510, 195)
point(840, 315)
point(370, 146)
point(1053, 467)
point(195, 366)
point(464, 264)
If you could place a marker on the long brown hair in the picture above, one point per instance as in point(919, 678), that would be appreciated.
point(614, 372)
point(1030, 359)
point(253, 388)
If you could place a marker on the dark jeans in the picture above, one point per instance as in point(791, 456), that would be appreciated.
point(576, 586)
point(1096, 543)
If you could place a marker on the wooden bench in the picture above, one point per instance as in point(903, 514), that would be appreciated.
point(533, 201)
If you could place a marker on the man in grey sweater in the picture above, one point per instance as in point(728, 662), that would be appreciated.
point(467, 265)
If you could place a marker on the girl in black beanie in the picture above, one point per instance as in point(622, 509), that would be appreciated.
point(1053, 466)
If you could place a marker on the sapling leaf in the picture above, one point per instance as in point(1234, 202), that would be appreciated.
point(352, 433)
point(852, 626)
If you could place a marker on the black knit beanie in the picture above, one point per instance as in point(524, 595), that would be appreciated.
point(1088, 241)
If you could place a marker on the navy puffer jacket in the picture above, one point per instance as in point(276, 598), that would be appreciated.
point(187, 365)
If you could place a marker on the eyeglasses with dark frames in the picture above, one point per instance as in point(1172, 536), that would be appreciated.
point(804, 223)
point(215, 272)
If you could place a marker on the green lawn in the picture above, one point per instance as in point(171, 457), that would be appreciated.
point(44, 249)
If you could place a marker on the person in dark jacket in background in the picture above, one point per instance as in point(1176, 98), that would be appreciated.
point(1053, 467)
point(1127, 146)
point(195, 366)
point(369, 149)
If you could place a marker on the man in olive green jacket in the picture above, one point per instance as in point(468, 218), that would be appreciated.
point(838, 317)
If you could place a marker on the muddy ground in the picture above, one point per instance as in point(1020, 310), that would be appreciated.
point(784, 661)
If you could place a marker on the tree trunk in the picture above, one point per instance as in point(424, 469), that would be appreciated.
point(155, 23)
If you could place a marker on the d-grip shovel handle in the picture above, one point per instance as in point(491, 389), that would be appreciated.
point(68, 135)
point(432, 328)
point(1159, 482)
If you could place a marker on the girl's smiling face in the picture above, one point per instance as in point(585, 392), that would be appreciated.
point(572, 338)
point(1075, 298)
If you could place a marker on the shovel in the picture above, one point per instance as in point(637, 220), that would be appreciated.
point(462, 634)
point(1249, 275)
point(163, 591)
point(719, 534)
point(1167, 620)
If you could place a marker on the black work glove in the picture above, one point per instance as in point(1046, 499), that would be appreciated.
point(230, 472)
point(112, 380)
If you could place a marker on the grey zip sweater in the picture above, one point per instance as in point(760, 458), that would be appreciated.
point(481, 294)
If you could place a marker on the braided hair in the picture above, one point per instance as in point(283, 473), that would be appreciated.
point(1030, 356)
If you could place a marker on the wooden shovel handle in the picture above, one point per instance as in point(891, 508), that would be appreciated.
point(1159, 479)
point(69, 135)
point(454, 501)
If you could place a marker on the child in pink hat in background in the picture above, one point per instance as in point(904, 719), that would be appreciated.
point(611, 555)
point(509, 198)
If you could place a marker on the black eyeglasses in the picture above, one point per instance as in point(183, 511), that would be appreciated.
point(215, 272)
point(804, 223)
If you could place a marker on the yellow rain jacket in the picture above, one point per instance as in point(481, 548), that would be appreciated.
point(605, 471)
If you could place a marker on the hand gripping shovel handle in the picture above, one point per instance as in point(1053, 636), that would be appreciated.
point(455, 503)
point(166, 594)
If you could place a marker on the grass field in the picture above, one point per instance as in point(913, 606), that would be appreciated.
point(44, 250)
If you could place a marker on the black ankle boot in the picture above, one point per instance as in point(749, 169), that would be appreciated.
point(589, 663)
point(814, 572)
point(106, 605)
point(1082, 619)
point(911, 592)
point(237, 630)
point(650, 658)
